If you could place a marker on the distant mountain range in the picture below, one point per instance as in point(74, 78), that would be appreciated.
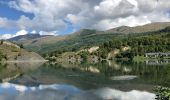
point(140, 29)
point(82, 38)
point(123, 29)
point(26, 37)
point(126, 29)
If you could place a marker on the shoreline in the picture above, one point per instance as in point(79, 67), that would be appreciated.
point(24, 61)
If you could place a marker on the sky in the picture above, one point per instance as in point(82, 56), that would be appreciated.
point(59, 17)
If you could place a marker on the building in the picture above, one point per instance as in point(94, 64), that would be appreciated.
point(157, 55)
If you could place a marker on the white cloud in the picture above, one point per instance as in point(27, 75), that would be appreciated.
point(6, 36)
point(24, 32)
point(3, 22)
point(33, 32)
point(134, 2)
point(6, 23)
point(111, 94)
point(115, 8)
point(113, 13)
point(99, 14)
point(128, 21)
point(61, 92)
point(21, 32)
point(48, 33)
point(49, 16)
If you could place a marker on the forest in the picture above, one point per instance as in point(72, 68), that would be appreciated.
point(140, 43)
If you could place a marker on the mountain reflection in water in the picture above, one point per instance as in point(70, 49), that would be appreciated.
point(67, 92)
point(117, 80)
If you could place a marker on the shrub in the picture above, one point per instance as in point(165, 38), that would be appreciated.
point(162, 93)
point(1, 56)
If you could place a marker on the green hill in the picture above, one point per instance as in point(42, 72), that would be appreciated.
point(11, 52)
point(86, 38)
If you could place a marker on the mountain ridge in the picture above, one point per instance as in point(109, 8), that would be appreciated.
point(87, 37)
point(121, 29)
point(140, 29)
point(26, 37)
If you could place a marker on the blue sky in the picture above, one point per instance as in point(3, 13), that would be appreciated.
point(60, 17)
point(11, 13)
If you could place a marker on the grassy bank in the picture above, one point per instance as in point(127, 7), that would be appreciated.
point(143, 58)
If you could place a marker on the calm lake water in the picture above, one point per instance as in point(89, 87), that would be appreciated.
point(112, 80)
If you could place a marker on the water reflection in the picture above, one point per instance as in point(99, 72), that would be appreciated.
point(125, 77)
point(157, 62)
point(9, 71)
point(118, 80)
point(67, 92)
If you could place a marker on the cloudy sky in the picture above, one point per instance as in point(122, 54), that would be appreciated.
point(18, 17)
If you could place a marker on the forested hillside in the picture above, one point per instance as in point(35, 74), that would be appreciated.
point(154, 37)
point(84, 38)
point(139, 43)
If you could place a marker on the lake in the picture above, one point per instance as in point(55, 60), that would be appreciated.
point(109, 80)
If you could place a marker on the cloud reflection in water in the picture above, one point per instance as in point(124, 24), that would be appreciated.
point(10, 91)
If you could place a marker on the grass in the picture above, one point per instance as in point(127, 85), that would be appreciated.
point(139, 58)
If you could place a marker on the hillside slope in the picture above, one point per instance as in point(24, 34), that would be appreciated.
point(12, 52)
point(140, 29)
point(26, 37)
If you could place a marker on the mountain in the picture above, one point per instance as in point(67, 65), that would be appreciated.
point(85, 38)
point(13, 53)
point(26, 37)
point(66, 43)
point(140, 29)
point(85, 32)
point(152, 27)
